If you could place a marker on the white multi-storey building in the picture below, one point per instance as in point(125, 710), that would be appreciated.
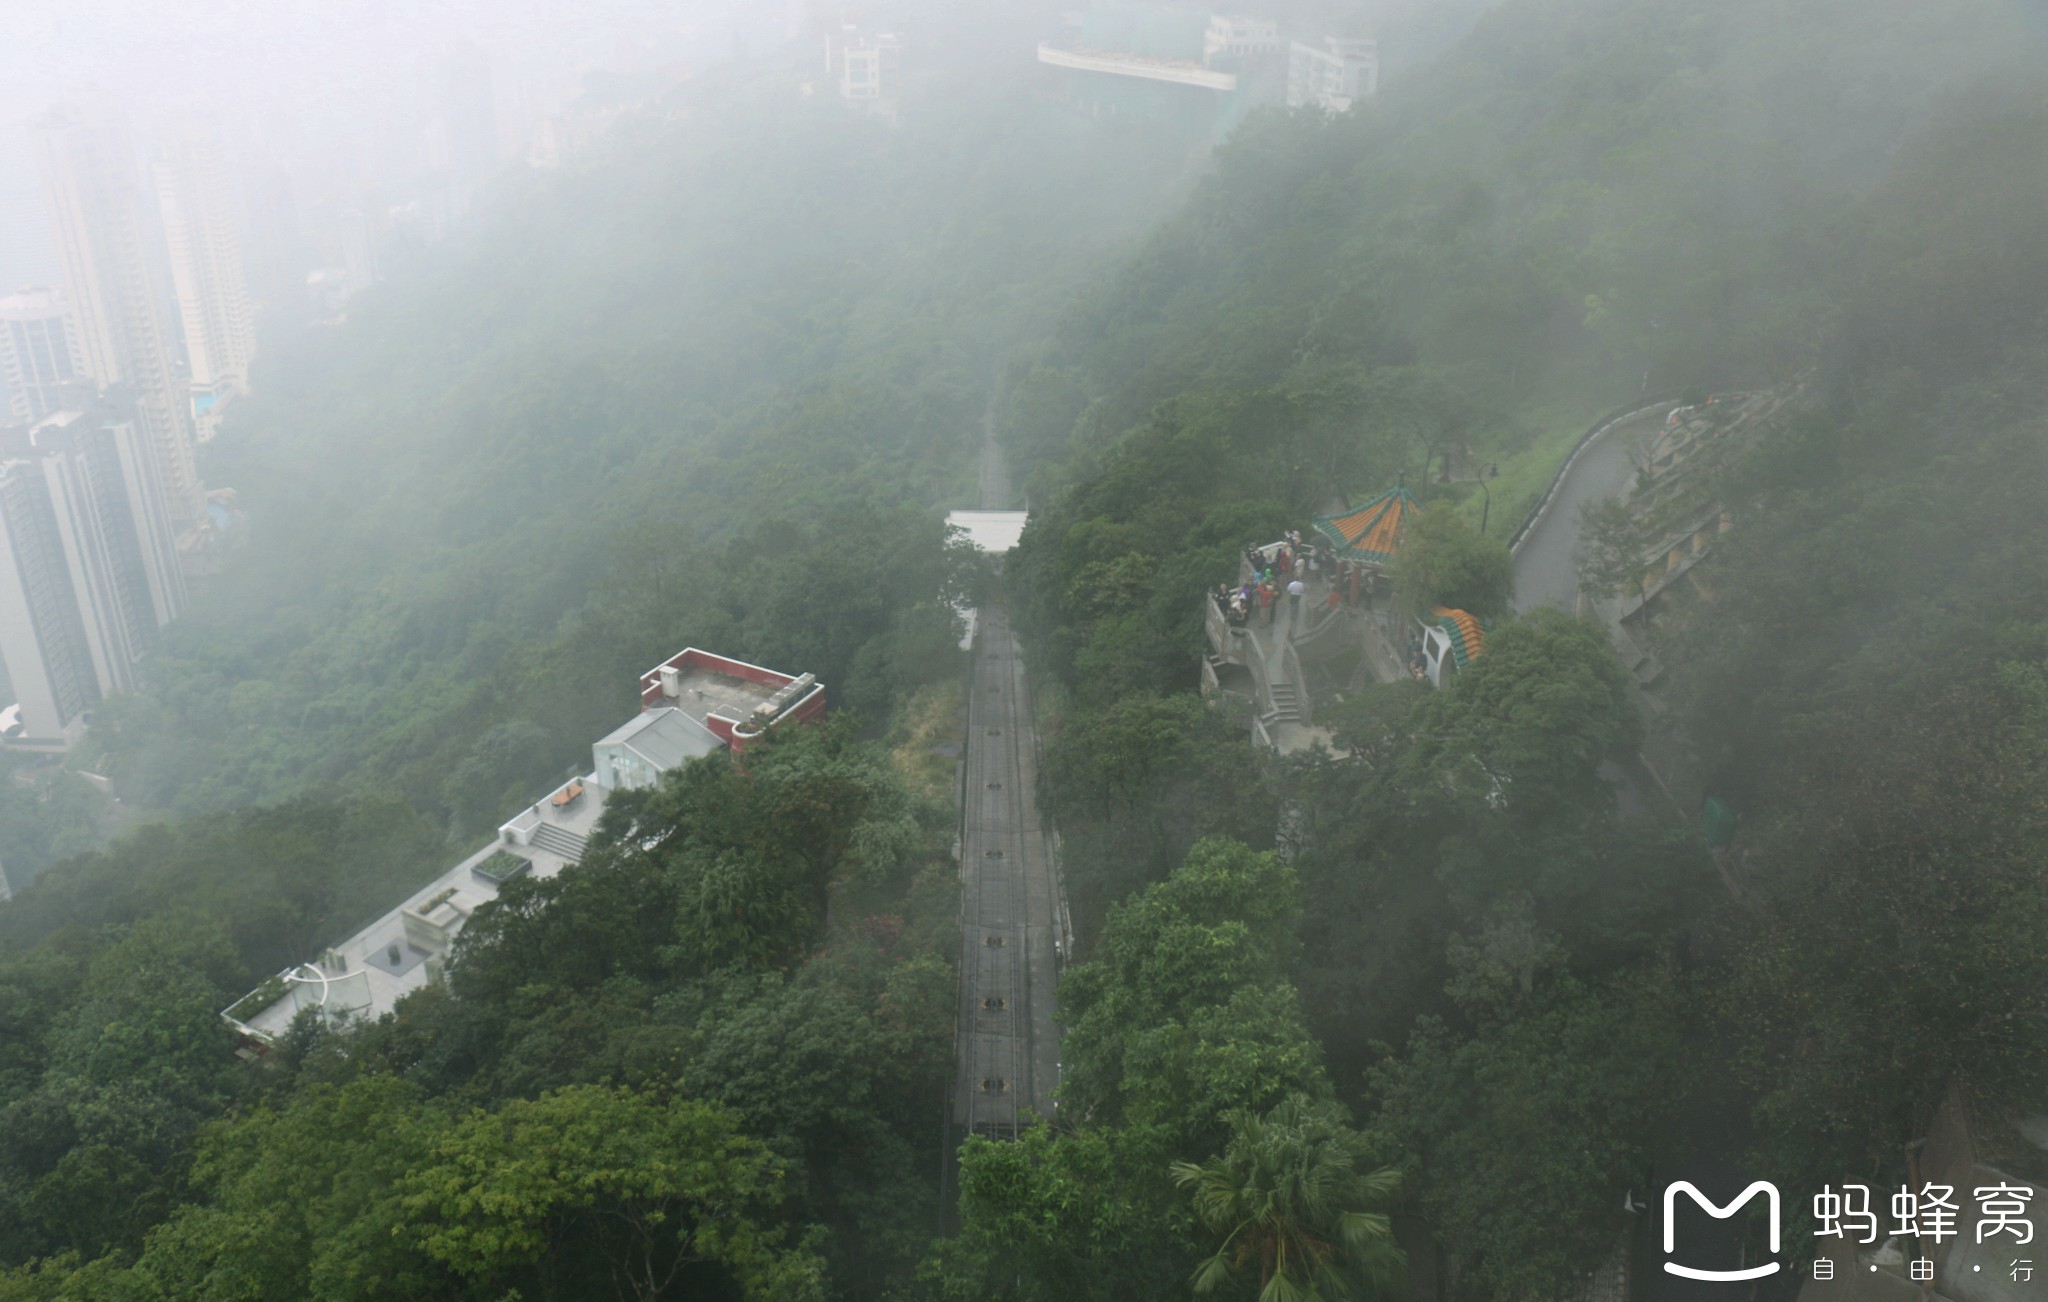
point(692, 705)
point(38, 355)
point(1333, 75)
point(1236, 36)
point(865, 66)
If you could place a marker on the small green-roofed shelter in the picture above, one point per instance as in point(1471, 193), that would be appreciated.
point(1451, 641)
point(1372, 533)
point(1466, 633)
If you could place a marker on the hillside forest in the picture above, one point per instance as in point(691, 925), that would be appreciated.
point(1425, 1012)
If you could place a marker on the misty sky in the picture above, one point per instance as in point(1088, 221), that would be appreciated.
point(157, 51)
point(328, 79)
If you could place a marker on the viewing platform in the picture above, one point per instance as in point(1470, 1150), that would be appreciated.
point(1115, 63)
point(1295, 657)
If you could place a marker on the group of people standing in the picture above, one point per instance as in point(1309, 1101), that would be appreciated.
point(1292, 568)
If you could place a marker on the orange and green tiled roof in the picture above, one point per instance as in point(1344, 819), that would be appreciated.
point(1372, 532)
point(1467, 635)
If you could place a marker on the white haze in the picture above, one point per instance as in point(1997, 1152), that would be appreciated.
point(329, 92)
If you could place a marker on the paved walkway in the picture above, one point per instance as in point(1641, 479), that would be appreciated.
point(1012, 924)
point(1546, 562)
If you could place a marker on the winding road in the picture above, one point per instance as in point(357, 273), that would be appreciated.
point(1546, 556)
point(1547, 553)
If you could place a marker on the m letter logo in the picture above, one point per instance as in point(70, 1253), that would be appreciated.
point(1671, 1192)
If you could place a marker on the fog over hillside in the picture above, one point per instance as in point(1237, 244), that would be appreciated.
point(1057, 651)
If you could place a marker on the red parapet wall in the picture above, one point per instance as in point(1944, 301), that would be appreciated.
point(809, 710)
point(811, 707)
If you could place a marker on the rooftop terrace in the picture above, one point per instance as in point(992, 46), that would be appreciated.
point(368, 973)
point(737, 701)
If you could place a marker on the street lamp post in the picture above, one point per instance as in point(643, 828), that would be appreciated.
point(1485, 507)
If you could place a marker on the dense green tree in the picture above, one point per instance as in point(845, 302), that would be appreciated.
point(97, 1148)
point(659, 1195)
point(1899, 949)
point(1182, 1017)
point(1449, 805)
point(1529, 723)
point(282, 880)
point(845, 1063)
point(1612, 549)
point(1052, 1216)
point(1135, 784)
point(1297, 1200)
point(1183, 1012)
point(1445, 561)
point(303, 1203)
point(1528, 1128)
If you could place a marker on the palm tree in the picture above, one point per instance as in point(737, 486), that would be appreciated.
point(1293, 1191)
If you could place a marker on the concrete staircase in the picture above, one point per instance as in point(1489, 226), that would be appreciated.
point(564, 845)
point(1286, 705)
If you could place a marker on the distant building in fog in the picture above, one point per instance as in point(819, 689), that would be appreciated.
point(38, 354)
point(125, 329)
point(1334, 74)
point(865, 67)
point(860, 72)
point(201, 232)
point(1235, 36)
point(89, 569)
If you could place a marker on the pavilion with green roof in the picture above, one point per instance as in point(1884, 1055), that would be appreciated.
point(1371, 533)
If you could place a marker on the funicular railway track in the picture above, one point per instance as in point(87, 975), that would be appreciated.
point(1011, 920)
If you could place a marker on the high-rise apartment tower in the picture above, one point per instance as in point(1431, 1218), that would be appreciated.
point(125, 330)
point(201, 231)
point(88, 567)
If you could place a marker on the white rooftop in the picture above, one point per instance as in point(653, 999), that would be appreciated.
point(992, 531)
